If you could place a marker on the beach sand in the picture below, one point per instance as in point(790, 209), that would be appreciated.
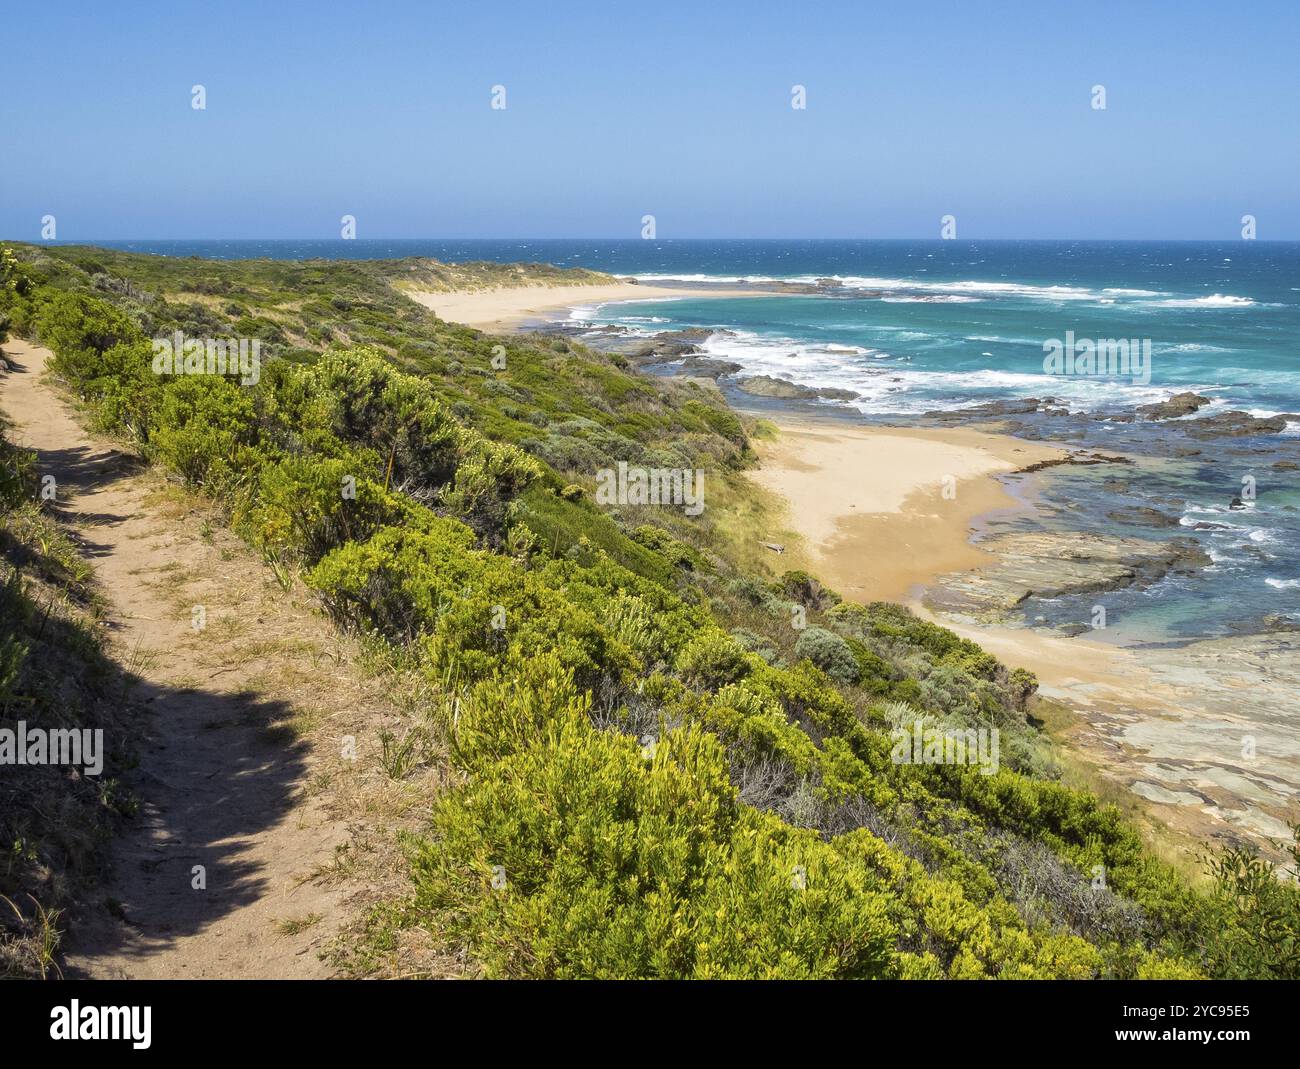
point(513, 307)
point(883, 511)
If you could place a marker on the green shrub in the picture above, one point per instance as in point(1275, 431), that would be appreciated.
point(713, 659)
point(205, 431)
point(828, 652)
point(572, 853)
point(17, 473)
point(80, 329)
point(305, 508)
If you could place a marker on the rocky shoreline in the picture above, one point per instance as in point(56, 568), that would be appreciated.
point(1136, 539)
point(1051, 564)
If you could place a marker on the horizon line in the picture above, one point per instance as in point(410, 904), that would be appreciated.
point(652, 241)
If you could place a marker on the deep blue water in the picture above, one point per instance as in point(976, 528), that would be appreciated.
point(912, 326)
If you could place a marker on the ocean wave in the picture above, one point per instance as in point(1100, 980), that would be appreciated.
point(1282, 584)
point(915, 290)
point(1195, 347)
point(1036, 343)
point(885, 387)
point(965, 287)
point(931, 298)
point(1216, 300)
point(678, 277)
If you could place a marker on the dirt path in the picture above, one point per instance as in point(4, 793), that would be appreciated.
point(229, 869)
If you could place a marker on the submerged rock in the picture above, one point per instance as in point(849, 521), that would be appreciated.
point(1143, 516)
point(1055, 564)
point(1082, 457)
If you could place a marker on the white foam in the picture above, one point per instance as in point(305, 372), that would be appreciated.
point(1216, 300)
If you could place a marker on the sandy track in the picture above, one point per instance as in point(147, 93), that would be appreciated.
point(221, 779)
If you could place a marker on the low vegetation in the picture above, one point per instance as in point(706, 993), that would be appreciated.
point(55, 822)
point(668, 765)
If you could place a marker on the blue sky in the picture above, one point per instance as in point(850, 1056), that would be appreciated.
point(682, 110)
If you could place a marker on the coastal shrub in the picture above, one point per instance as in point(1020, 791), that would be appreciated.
point(1259, 910)
point(678, 553)
point(366, 585)
point(364, 399)
point(756, 644)
point(875, 675)
point(486, 480)
point(467, 607)
point(1021, 685)
point(306, 507)
point(654, 870)
point(204, 430)
point(125, 390)
point(80, 329)
point(828, 652)
point(560, 525)
point(713, 660)
point(807, 591)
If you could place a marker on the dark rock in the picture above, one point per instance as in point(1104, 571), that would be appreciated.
point(1079, 456)
point(1236, 425)
point(989, 409)
point(710, 366)
point(1181, 404)
point(1143, 516)
point(657, 351)
point(767, 386)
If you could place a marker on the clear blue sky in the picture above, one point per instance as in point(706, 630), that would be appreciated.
point(915, 110)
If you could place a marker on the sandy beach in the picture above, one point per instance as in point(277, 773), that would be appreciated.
point(512, 307)
point(883, 511)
